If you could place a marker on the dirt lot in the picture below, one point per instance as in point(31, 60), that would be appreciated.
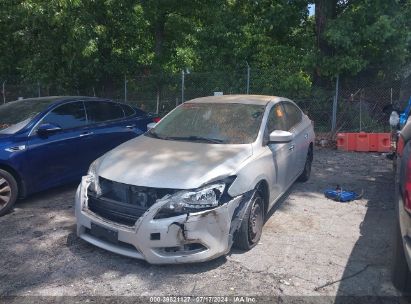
point(308, 241)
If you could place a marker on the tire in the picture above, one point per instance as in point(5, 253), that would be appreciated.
point(305, 176)
point(8, 192)
point(251, 227)
point(401, 276)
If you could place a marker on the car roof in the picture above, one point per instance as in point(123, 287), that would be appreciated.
point(52, 101)
point(56, 99)
point(59, 98)
point(245, 99)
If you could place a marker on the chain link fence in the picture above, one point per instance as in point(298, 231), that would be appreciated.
point(359, 105)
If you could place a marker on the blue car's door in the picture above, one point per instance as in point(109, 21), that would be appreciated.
point(111, 125)
point(59, 157)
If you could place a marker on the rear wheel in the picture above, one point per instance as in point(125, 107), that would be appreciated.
point(305, 176)
point(8, 192)
point(401, 272)
point(251, 228)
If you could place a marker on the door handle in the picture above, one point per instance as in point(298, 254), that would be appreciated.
point(291, 148)
point(130, 126)
point(86, 134)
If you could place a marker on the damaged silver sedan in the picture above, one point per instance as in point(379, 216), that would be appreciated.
point(198, 182)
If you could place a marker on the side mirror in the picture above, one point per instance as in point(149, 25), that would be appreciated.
point(151, 125)
point(47, 128)
point(278, 136)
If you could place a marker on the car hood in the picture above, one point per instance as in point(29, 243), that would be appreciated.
point(4, 136)
point(8, 139)
point(151, 162)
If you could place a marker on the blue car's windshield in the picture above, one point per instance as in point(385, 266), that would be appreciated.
point(17, 114)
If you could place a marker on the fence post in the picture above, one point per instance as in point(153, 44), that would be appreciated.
point(182, 85)
point(158, 101)
point(4, 91)
point(38, 89)
point(335, 102)
point(361, 93)
point(125, 88)
point(184, 72)
point(248, 78)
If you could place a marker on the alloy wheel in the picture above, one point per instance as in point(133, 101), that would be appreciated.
point(255, 221)
point(5, 192)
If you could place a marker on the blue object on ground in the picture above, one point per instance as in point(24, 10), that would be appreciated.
point(341, 196)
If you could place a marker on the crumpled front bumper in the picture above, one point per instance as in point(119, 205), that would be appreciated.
point(167, 240)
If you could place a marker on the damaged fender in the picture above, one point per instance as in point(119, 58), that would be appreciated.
point(239, 214)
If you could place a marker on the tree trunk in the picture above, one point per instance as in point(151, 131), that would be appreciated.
point(159, 35)
point(324, 11)
point(159, 31)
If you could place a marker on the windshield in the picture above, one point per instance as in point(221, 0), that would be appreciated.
point(17, 114)
point(225, 123)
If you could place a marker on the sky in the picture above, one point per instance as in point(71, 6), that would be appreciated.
point(311, 9)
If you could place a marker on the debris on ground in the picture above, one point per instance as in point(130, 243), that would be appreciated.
point(343, 196)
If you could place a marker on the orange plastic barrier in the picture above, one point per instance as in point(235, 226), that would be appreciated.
point(373, 142)
point(346, 141)
point(342, 142)
point(364, 142)
point(384, 142)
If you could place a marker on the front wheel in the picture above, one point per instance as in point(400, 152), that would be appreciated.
point(8, 192)
point(251, 228)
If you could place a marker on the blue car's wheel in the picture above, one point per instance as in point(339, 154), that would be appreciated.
point(8, 192)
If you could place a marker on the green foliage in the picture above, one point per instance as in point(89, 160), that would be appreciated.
point(368, 35)
point(83, 44)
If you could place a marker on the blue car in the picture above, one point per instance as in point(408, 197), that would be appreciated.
point(46, 142)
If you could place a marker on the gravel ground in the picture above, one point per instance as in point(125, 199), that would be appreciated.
point(308, 241)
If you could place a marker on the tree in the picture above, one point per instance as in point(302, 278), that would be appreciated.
point(356, 36)
point(83, 44)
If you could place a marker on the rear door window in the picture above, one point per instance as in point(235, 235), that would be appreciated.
point(102, 111)
point(67, 116)
point(128, 111)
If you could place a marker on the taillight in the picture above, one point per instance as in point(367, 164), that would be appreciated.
point(156, 119)
point(407, 190)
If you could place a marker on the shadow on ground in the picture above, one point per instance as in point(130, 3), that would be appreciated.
point(371, 257)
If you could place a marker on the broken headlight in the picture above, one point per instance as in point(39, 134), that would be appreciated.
point(94, 186)
point(185, 201)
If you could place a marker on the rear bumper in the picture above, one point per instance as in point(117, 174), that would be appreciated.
point(194, 237)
